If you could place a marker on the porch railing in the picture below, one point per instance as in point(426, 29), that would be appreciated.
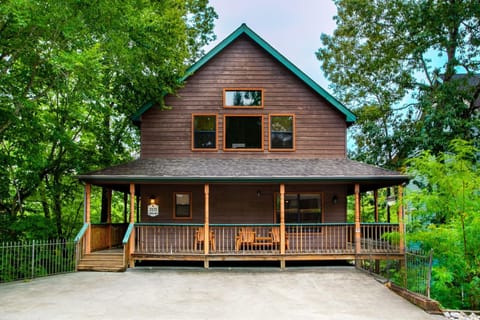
point(244, 239)
point(327, 238)
point(81, 243)
point(128, 245)
point(105, 236)
point(379, 237)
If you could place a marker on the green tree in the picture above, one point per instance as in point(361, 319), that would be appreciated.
point(445, 217)
point(409, 69)
point(72, 74)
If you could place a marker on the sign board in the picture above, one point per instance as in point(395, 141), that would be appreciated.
point(152, 210)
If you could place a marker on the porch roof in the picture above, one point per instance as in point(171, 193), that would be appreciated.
point(246, 170)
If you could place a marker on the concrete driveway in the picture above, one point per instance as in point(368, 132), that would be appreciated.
point(144, 293)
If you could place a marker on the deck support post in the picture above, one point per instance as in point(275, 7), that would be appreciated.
point(401, 227)
point(109, 217)
point(125, 200)
point(132, 220)
point(357, 225)
point(375, 201)
point(87, 218)
point(206, 242)
point(282, 221)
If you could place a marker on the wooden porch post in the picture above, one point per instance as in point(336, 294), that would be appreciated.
point(109, 217)
point(282, 224)
point(375, 200)
point(357, 224)
point(125, 200)
point(401, 227)
point(87, 218)
point(206, 240)
point(132, 220)
point(132, 203)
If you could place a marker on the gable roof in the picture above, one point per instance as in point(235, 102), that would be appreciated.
point(245, 30)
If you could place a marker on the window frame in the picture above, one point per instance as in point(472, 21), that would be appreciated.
point(224, 98)
point(175, 217)
point(262, 139)
point(322, 205)
point(294, 132)
point(193, 132)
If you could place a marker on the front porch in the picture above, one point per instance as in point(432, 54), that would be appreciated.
point(266, 215)
point(246, 242)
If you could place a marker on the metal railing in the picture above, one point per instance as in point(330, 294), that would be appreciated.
point(36, 258)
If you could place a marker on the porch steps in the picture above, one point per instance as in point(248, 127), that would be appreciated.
point(102, 261)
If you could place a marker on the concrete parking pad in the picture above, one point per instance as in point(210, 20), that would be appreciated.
point(159, 293)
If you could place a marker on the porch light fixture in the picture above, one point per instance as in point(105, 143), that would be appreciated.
point(334, 199)
point(259, 193)
point(152, 199)
point(390, 201)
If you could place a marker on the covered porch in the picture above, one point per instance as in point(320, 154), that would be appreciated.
point(263, 218)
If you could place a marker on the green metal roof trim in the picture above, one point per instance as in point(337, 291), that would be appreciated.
point(244, 29)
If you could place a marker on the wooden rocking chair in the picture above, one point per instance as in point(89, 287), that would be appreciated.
point(275, 234)
point(245, 238)
point(199, 240)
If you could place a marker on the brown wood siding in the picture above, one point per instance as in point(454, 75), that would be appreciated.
point(320, 129)
point(231, 203)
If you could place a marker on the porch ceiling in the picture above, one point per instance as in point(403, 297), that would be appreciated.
point(246, 170)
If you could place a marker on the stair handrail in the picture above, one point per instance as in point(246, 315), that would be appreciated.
point(80, 243)
point(127, 243)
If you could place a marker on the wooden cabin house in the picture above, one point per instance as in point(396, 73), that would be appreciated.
point(249, 163)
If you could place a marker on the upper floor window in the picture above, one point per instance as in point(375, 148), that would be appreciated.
point(282, 132)
point(243, 132)
point(243, 98)
point(204, 132)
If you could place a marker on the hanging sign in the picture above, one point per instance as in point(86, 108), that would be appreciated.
point(152, 210)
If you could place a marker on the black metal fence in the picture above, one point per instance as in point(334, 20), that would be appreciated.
point(414, 274)
point(418, 271)
point(28, 260)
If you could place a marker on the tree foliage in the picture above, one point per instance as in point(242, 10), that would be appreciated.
point(410, 70)
point(72, 74)
point(445, 217)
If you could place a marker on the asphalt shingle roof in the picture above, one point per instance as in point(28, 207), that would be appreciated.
point(242, 169)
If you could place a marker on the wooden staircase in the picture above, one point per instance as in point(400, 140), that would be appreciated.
point(106, 260)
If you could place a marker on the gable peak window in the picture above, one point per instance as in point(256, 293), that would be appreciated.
point(243, 98)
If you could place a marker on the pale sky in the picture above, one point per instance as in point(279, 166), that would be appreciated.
point(292, 27)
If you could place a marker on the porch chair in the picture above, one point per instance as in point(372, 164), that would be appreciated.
point(199, 240)
point(245, 238)
point(275, 234)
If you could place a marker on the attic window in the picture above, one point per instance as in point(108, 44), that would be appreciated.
point(243, 98)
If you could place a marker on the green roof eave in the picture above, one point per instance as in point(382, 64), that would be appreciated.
point(171, 179)
point(244, 29)
point(136, 117)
